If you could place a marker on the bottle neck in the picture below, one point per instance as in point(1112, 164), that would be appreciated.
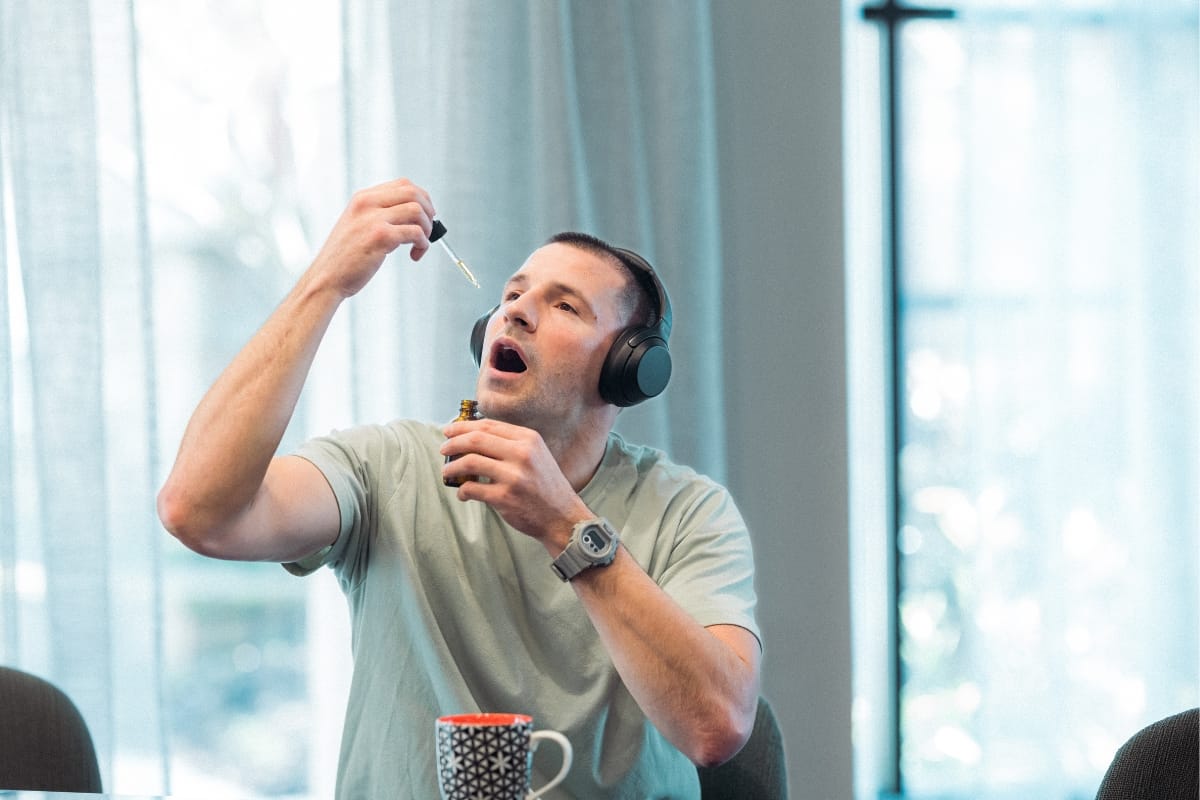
point(468, 409)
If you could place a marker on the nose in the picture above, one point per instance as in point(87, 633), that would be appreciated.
point(520, 311)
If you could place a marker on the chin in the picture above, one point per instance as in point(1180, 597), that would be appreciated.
point(527, 412)
point(499, 407)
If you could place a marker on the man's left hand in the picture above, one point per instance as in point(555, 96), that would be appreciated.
point(522, 481)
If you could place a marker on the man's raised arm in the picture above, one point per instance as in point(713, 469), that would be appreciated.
point(228, 495)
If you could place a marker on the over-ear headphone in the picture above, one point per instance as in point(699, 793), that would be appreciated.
point(638, 364)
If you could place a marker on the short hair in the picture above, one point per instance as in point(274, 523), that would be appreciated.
point(640, 297)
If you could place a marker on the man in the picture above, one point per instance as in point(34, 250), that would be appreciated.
point(646, 656)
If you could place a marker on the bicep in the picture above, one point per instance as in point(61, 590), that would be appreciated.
point(294, 514)
point(746, 646)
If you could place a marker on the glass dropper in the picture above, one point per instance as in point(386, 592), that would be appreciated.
point(438, 234)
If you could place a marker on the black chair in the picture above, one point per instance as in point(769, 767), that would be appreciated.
point(757, 772)
point(1159, 762)
point(44, 741)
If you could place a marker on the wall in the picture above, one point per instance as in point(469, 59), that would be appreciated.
point(779, 90)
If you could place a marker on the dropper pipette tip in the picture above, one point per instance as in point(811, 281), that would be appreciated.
point(462, 265)
point(438, 235)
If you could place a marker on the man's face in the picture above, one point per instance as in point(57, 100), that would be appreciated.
point(545, 345)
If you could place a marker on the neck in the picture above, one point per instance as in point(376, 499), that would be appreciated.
point(578, 453)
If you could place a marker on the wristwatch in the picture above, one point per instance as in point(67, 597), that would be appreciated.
point(593, 544)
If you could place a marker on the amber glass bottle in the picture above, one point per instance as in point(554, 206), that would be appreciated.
point(467, 410)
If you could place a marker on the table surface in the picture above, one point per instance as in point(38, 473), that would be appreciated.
point(26, 794)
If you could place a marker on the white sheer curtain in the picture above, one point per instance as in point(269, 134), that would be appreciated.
point(79, 550)
point(167, 172)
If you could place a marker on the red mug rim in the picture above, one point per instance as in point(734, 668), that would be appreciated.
point(484, 719)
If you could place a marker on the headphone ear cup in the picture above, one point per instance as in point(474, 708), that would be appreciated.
point(637, 367)
point(478, 331)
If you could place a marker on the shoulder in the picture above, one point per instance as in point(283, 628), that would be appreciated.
point(645, 464)
point(372, 448)
point(649, 477)
point(399, 433)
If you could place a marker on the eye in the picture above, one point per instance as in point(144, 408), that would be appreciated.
point(510, 296)
point(565, 306)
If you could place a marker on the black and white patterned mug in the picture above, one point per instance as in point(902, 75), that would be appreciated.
point(490, 756)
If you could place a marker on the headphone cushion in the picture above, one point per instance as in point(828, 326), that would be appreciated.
point(478, 331)
point(637, 367)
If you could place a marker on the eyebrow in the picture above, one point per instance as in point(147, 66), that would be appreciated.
point(555, 287)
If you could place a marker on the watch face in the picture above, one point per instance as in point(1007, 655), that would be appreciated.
point(594, 541)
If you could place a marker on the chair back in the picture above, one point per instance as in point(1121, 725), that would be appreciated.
point(1159, 762)
point(44, 742)
point(757, 772)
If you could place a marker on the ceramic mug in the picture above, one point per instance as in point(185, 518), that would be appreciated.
point(490, 756)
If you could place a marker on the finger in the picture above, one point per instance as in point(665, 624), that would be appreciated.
point(390, 195)
point(503, 430)
point(419, 195)
point(490, 445)
point(407, 206)
point(409, 225)
point(475, 490)
point(415, 233)
point(386, 238)
point(457, 470)
point(474, 468)
point(401, 192)
point(466, 442)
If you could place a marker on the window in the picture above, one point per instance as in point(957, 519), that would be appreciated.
point(1041, 256)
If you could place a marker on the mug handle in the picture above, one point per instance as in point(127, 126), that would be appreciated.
point(567, 757)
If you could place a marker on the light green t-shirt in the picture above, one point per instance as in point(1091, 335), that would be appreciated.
point(453, 610)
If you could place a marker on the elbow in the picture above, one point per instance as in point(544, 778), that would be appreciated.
point(182, 519)
point(174, 513)
point(722, 739)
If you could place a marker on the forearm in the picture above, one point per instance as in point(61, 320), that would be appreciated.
point(699, 686)
point(696, 688)
point(238, 425)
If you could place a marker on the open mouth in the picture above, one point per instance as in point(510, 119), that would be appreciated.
point(506, 359)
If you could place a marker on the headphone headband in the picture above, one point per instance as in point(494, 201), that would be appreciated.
point(648, 280)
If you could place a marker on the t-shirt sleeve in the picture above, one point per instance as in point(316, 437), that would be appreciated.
point(345, 458)
point(710, 572)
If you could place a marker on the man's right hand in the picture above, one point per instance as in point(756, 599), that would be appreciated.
point(376, 222)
